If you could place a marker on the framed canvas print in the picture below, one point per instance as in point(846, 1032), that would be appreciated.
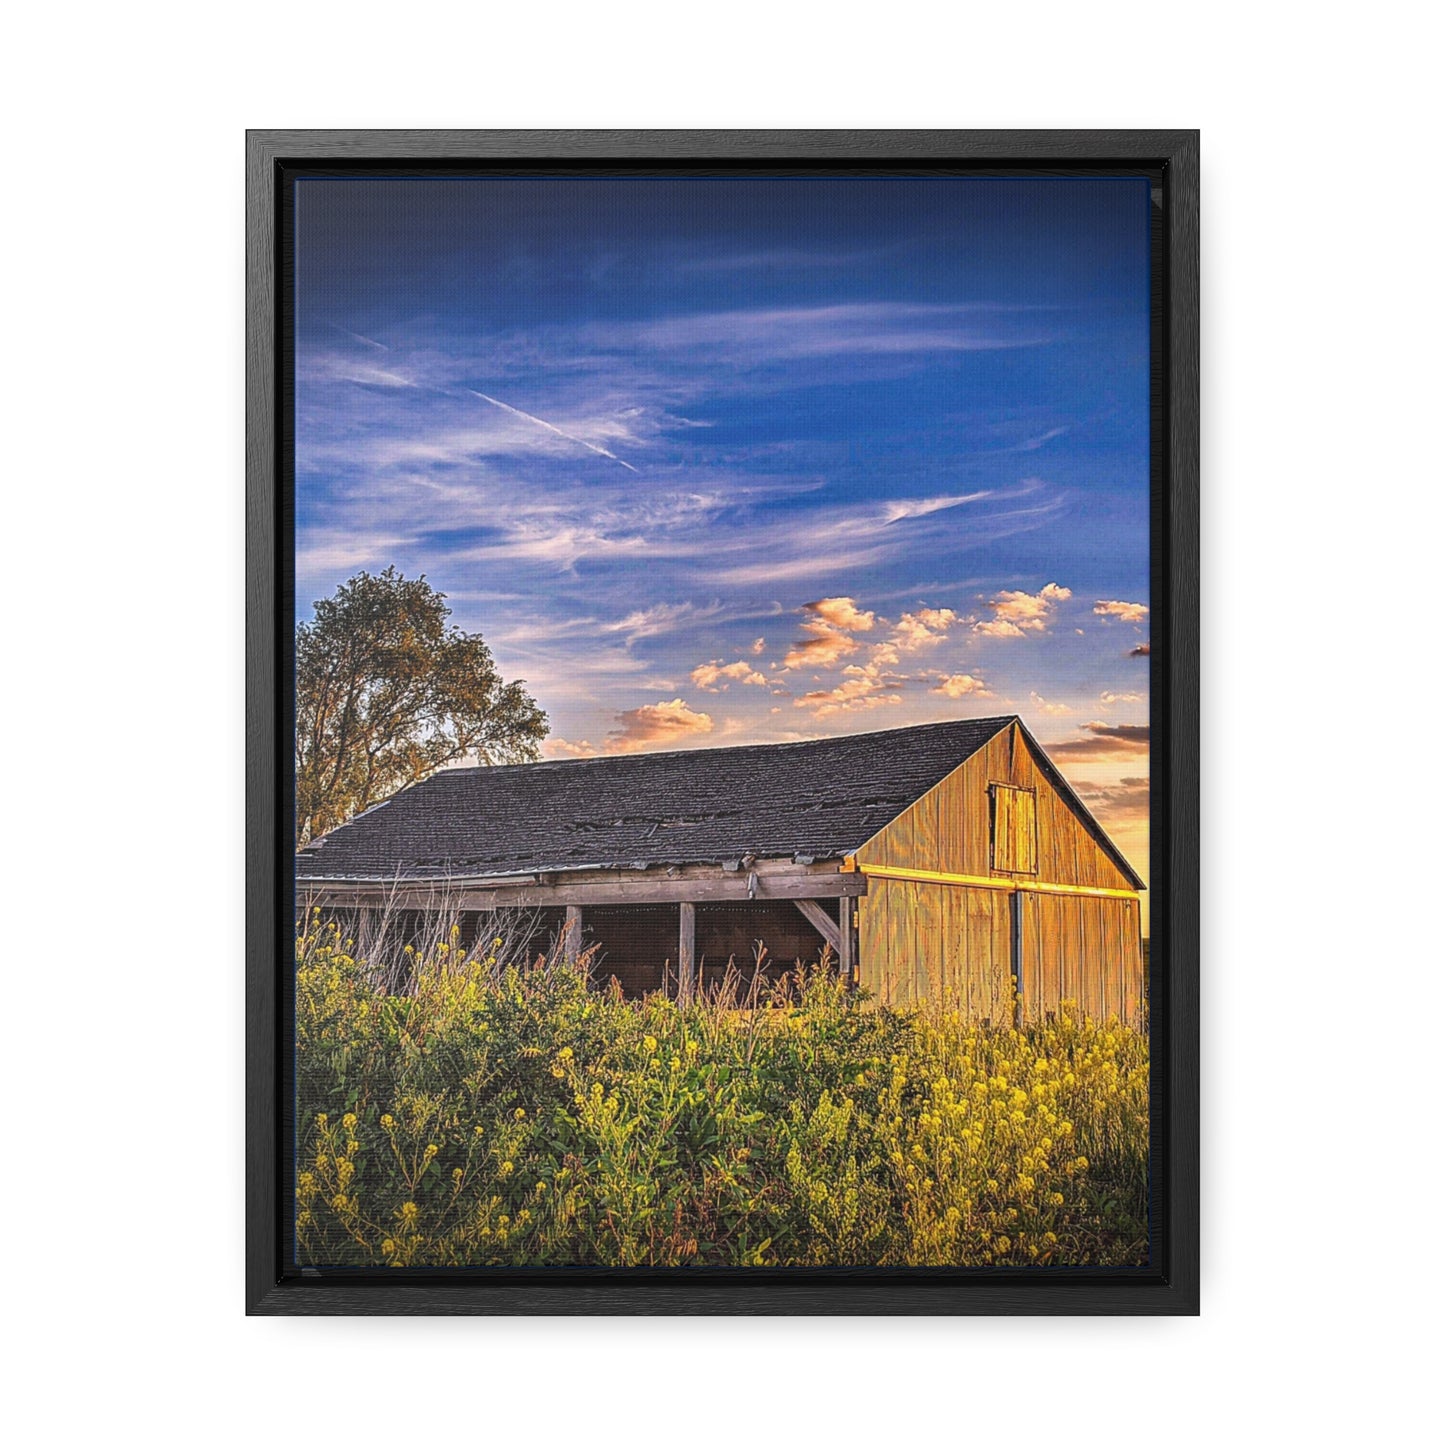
point(723, 695)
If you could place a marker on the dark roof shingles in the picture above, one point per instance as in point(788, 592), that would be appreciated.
point(820, 799)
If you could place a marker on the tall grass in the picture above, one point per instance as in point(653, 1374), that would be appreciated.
point(497, 1112)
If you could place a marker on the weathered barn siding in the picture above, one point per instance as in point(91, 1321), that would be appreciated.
point(948, 941)
point(924, 941)
point(1085, 949)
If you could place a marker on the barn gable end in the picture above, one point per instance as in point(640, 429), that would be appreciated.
point(940, 921)
point(951, 821)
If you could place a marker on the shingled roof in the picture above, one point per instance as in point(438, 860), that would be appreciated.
point(817, 799)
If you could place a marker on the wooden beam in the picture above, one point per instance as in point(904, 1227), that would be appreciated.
point(818, 917)
point(572, 944)
point(1004, 885)
point(618, 888)
point(686, 948)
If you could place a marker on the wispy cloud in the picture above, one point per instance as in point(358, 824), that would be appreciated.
point(326, 553)
point(662, 618)
point(901, 508)
point(877, 328)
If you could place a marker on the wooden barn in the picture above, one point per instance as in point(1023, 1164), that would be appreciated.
point(950, 862)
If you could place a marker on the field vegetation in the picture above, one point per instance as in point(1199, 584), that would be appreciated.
point(500, 1112)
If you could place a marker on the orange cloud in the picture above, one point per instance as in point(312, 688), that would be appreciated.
point(1126, 801)
point(654, 723)
point(561, 748)
point(961, 684)
point(709, 675)
point(823, 649)
point(923, 628)
point(1054, 709)
point(1017, 613)
point(842, 612)
point(1124, 611)
point(862, 689)
point(1105, 740)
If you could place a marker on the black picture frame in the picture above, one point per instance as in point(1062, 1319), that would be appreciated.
point(1170, 1284)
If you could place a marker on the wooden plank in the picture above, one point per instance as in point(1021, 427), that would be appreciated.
point(1030, 956)
point(873, 943)
point(817, 915)
point(686, 948)
point(1093, 960)
point(1003, 885)
point(572, 944)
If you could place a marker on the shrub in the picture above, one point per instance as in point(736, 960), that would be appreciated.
point(497, 1113)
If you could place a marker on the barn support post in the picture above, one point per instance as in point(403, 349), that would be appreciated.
point(686, 947)
point(1016, 954)
point(848, 943)
point(572, 934)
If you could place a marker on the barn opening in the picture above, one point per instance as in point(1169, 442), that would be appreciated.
point(640, 945)
point(731, 932)
point(633, 945)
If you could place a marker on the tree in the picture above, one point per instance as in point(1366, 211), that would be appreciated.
point(387, 693)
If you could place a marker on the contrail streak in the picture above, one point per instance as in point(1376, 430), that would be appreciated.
point(527, 416)
point(357, 336)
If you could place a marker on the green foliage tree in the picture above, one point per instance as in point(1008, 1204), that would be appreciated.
point(387, 693)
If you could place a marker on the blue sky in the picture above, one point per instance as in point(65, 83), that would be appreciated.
point(726, 459)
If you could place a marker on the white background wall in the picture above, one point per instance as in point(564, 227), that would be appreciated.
point(123, 520)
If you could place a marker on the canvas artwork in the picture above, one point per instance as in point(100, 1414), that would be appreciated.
point(722, 700)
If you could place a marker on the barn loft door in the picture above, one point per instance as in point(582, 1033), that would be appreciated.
point(1014, 829)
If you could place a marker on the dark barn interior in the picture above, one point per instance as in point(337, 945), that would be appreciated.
point(635, 943)
point(729, 931)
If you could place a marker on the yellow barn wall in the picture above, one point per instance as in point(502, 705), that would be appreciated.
point(954, 944)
